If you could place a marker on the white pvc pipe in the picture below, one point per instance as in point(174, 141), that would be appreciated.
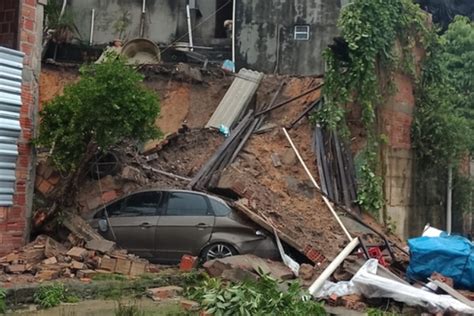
point(91, 36)
point(143, 6)
point(190, 29)
point(316, 286)
point(328, 203)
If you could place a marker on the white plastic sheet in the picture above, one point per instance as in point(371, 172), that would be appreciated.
point(287, 260)
point(367, 283)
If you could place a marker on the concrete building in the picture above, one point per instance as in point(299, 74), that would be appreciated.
point(21, 25)
point(286, 37)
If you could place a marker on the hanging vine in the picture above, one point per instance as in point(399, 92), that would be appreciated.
point(370, 29)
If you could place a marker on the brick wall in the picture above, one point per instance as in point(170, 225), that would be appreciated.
point(15, 220)
point(9, 12)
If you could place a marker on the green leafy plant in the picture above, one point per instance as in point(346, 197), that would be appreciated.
point(106, 106)
point(51, 295)
point(263, 297)
point(62, 28)
point(443, 129)
point(371, 30)
point(3, 304)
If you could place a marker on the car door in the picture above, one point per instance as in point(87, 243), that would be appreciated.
point(185, 227)
point(133, 223)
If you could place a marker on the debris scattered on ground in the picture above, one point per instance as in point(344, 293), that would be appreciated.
point(46, 259)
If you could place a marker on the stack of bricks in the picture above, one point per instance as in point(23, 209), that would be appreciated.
point(27, 16)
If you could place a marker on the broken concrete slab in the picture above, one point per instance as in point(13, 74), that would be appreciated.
point(249, 263)
point(101, 245)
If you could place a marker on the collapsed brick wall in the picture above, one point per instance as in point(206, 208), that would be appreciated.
point(14, 221)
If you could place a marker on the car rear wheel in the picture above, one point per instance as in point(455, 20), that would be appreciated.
point(218, 251)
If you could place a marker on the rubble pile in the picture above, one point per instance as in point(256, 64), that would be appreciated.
point(46, 259)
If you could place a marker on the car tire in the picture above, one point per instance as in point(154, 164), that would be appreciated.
point(217, 251)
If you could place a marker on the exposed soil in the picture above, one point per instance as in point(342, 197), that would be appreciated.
point(296, 208)
point(53, 80)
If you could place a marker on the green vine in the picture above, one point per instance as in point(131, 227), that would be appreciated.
point(370, 28)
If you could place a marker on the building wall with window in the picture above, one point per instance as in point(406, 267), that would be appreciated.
point(286, 37)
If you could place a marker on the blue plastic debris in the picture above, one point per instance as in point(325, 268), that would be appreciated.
point(452, 256)
point(228, 65)
point(224, 130)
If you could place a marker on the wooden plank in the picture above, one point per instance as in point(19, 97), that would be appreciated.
point(276, 106)
point(266, 225)
point(210, 164)
point(303, 114)
point(453, 293)
point(342, 173)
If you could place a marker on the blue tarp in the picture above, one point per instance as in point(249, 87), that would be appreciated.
point(452, 256)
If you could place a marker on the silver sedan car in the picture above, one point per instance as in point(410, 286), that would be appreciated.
point(162, 225)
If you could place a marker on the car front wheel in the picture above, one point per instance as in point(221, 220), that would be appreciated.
point(218, 251)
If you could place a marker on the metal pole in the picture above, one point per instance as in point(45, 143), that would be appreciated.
point(142, 19)
point(449, 201)
point(233, 31)
point(190, 29)
point(91, 37)
point(328, 203)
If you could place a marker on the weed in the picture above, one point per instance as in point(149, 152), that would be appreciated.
point(51, 295)
point(125, 309)
point(253, 298)
point(3, 304)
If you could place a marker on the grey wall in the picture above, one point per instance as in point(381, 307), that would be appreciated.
point(257, 24)
point(165, 20)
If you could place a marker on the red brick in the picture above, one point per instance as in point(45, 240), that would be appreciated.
point(29, 2)
point(28, 12)
point(19, 199)
point(109, 196)
point(45, 187)
point(28, 37)
point(188, 263)
point(29, 24)
point(15, 212)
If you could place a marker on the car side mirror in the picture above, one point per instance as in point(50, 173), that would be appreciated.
point(103, 225)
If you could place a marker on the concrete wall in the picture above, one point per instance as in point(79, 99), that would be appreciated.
point(15, 220)
point(265, 34)
point(165, 20)
point(413, 198)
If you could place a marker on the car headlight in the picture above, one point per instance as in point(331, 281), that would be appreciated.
point(260, 233)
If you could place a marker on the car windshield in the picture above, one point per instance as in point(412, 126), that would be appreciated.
point(219, 207)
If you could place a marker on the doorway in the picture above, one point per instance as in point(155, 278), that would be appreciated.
point(224, 13)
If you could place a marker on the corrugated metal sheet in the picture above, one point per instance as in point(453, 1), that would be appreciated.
point(11, 65)
point(236, 99)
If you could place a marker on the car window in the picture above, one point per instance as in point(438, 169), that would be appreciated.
point(186, 204)
point(112, 210)
point(220, 208)
point(140, 204)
